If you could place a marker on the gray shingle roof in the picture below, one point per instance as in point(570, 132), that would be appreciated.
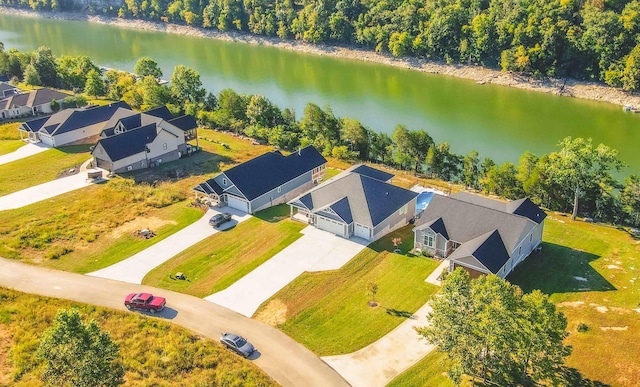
point(160, 112)
point(465, 221)
point(270, 170)
point(487, 248)
point(370, 200)
point(371, 172)
point(184, 123)
point(32, 98)
point(209, 187)
point(523, 207)
point(129, 143)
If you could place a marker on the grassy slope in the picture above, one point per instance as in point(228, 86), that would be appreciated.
point(152, 351)
point(8, 146)
point(223, 258)
point(609, 260)
point(322, 308)
point(40, 168)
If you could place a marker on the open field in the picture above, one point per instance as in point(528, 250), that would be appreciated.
point(319, 310)
point(9, 131)
point(152, 351)
point(220, 260)
point(41, 168)
point(592, 273)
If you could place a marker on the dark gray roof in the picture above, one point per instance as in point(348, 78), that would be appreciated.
point(523, 207)
point(160, 112)
point(7, 90)
point(370, 200)
point(33, 125)
point(69, 120)
point(488, 249)
point(129, 143)
point(184, 123)
point(465, 221)
point(343, 210)
point(270, 170)
point(209, 187)
point(32, 98)
point(371, 172)
point(437, 225)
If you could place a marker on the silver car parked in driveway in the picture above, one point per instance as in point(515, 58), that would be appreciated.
point(219, 219)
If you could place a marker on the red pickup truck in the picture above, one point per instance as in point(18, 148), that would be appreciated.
point(145, 301)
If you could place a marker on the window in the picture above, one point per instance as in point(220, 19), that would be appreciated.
point(403, 210)
point(224, 181)
point(279, 189)
point(429, 240)
point(164, 146)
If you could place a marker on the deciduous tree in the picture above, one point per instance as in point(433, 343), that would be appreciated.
point(147, 66)
point(78, 354)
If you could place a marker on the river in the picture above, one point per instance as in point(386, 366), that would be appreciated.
point(497, 121)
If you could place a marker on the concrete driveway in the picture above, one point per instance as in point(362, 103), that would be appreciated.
point(24, 151)
point(287, 362)
point(44, 191)
point(316, 250)
point(134, 269)
point(377, 364)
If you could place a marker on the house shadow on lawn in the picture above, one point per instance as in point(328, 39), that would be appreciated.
point(199, 163)
point(559, 269)
point(274, 214)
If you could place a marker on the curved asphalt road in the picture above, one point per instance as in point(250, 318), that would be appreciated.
point(286, 361)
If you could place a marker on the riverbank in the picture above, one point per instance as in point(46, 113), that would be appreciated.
point(569, 87)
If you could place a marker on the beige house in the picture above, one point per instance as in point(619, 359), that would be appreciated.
point(30, 104)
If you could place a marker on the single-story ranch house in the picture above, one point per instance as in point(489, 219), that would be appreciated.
point(133, 140)
point(266, 180)
point(31, 103)
point(71, 126)
point(7, 90)
point(482, 235)
point(358, 202)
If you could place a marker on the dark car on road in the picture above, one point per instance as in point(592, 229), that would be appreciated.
point(219, 219)
point(145, 301)
point(237, 343)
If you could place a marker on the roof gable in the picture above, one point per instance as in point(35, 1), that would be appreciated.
point(129, 143)
point(438, 227)
point(81, 118)
point(270, 170)
point(343, 210)
point(160, 112)
point(184, 123)
point(384, 199)
point(465, 221)
point(488, 249)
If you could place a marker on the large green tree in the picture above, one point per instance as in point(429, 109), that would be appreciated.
point(630, 198)
point(582, 168)
point(490, 330)
point(186, 86)
point(147, 66)
point(78, 354)
point(45, 64)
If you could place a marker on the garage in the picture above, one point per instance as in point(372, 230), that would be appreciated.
point(363, 232)
point(332, 226)
point(237, 203)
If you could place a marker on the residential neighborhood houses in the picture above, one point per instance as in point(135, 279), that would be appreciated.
point(16, 104)
point(266, 180)
point(482, 235)
point(357, 203)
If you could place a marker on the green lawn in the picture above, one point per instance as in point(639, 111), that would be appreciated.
point(328, 312)
point(8, 146)
point(592, 273)
point(223, 258)
point(9, 131)
point(40, 168)
point(153, 352)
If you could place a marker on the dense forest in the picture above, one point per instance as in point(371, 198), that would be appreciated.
point(578, 178)
point(593, 39)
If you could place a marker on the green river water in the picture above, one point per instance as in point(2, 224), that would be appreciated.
point(499, 122)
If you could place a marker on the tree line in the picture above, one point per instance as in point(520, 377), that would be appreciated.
point(593, 40)
point(578, 178)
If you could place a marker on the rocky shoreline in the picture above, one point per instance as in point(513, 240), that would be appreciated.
point(565, 87)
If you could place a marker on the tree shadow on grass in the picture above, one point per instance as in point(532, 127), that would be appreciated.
point(559, 269)
point(572, 377)
point(399, 313)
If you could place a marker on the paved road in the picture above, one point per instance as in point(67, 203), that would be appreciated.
point(316, 250)
point(379, 363)
point(135, 268)
point(286, 361)
point(24, 151)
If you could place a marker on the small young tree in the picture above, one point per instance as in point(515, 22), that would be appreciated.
point(372, 288)
point(55, 105)
point(78, 354)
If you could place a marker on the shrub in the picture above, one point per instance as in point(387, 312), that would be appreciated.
point(582, 327)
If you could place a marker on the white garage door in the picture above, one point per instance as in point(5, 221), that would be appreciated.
point(331, 226)
point(238, 203)
point(362, 231)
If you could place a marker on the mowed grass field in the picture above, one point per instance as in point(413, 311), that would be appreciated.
point(220, 260)
point(592, 273)
point(328, 312)
point(153, 352)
